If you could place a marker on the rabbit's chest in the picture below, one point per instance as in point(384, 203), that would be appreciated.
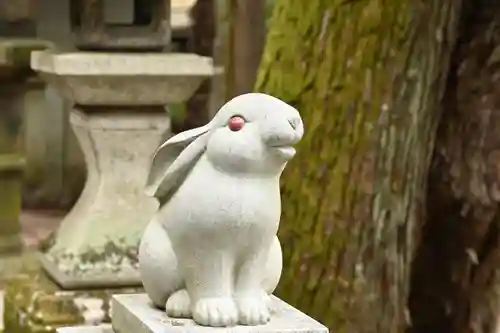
point(233, 206)
point(240, 206)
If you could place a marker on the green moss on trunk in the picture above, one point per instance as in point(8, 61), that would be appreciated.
point(366, 77)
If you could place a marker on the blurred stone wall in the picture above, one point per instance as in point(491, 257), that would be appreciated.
point(16, 10)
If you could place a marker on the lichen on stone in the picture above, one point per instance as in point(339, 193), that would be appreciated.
point(112, 257)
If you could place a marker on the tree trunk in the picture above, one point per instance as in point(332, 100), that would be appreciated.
point(247, 35)
point(367, 77)
point(455, 275)
point(241, 33)
point(220, 52)
point(201, 43)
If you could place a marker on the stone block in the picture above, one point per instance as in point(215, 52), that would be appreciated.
point(104, 328)
point(91, 78)
point(134, 313)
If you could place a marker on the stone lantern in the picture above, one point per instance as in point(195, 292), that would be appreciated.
point(118, 88)
point(148, 29)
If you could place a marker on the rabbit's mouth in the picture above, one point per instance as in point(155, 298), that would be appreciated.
point(285, 151)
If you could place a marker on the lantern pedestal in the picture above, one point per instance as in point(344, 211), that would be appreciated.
point(119, 120)
point(97, 241)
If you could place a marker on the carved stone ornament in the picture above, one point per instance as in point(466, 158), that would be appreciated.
point(211, 253)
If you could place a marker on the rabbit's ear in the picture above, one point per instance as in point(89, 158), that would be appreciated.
point(174, 159)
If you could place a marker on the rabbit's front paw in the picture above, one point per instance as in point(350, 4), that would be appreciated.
point(179, 305)
point(254, 309)
point(215, 312)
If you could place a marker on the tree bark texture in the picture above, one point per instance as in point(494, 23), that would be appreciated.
point(367, 77)
point(455, 276)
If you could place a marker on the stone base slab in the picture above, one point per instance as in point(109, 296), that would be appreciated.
point(90, 279)
point(134, 313)
point(35, 304)
point(104, 328)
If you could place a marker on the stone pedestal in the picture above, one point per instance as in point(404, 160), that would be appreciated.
point(96, 243)
point(14, 75)
point(134, 313)
point(119, 120)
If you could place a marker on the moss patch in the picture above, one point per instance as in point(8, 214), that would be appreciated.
point(34, 304)
point(110, 258)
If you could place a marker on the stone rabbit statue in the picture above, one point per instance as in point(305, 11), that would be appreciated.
point(211, 252)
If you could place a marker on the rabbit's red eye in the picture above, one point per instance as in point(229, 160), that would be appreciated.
point(236, 123)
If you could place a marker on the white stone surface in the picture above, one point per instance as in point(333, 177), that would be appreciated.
point(103, 328)
point(121, 64)
point(89, 78)
point(135, 314)
point(112, 209)
point(215, 233)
